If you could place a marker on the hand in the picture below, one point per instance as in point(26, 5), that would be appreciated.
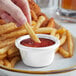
point(15, 10)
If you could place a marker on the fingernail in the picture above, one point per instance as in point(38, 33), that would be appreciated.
point(22, 21)
point(18, 25)
point(3, 16)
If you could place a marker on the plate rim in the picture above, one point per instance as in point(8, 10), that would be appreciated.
point(65, 70)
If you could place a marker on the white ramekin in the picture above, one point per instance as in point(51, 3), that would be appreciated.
point(37, 57)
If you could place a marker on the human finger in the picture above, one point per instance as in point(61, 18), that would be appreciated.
point(14, 11)
point(23, 4)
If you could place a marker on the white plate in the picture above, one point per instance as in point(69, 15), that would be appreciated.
point(58, 63)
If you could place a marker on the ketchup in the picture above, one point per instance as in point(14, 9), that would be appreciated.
point(44, 42)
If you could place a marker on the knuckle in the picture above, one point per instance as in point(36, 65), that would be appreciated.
point(19, 15)
point(16, 12)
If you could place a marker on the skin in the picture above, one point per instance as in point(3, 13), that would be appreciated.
point(16, 11)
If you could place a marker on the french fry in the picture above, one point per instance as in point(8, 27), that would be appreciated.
point(58, 36)
point(7, 63)
point(2, 56)
point(34, 23)
point(7, 42)
point(32, 33)
point(14, 55)
point(61, 30)
point(34, 16)
point(63, 52)
point(2, 22)
point(40, 21)
point(45, 22)
point(51, 23)
point(1, 62)
point(14, 61)
point(4, 50)
point(70, 43)
point(12, 50)
point(43, 30)
point(7, 28)
point(53, 32)
point(63, 39)
point(16, 34)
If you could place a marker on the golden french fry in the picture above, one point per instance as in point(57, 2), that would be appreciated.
point(57, 50)
point(32, 33)
point(63, 39)
point(40, 21)
point(2, 22)
point(53, 32)
point(4, 50)
point(43, 30)
point(7, 28)
point(14, 61)
point(51, 23)
point(14, 55)
point(63, 52)
point(34, 23)
point(61, 30)
point(34, 16)
point(7, 63)
point(1, 62)
point(2, 56)
point(12, 50)
point(70, 43)
point(58, 36)
point(7, 42)
point(16, 33)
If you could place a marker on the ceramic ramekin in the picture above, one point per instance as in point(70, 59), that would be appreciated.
point(37, 57)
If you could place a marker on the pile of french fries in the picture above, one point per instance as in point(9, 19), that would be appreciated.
point(9, 32)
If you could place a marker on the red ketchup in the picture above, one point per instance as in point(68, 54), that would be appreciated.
point(44, 42)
